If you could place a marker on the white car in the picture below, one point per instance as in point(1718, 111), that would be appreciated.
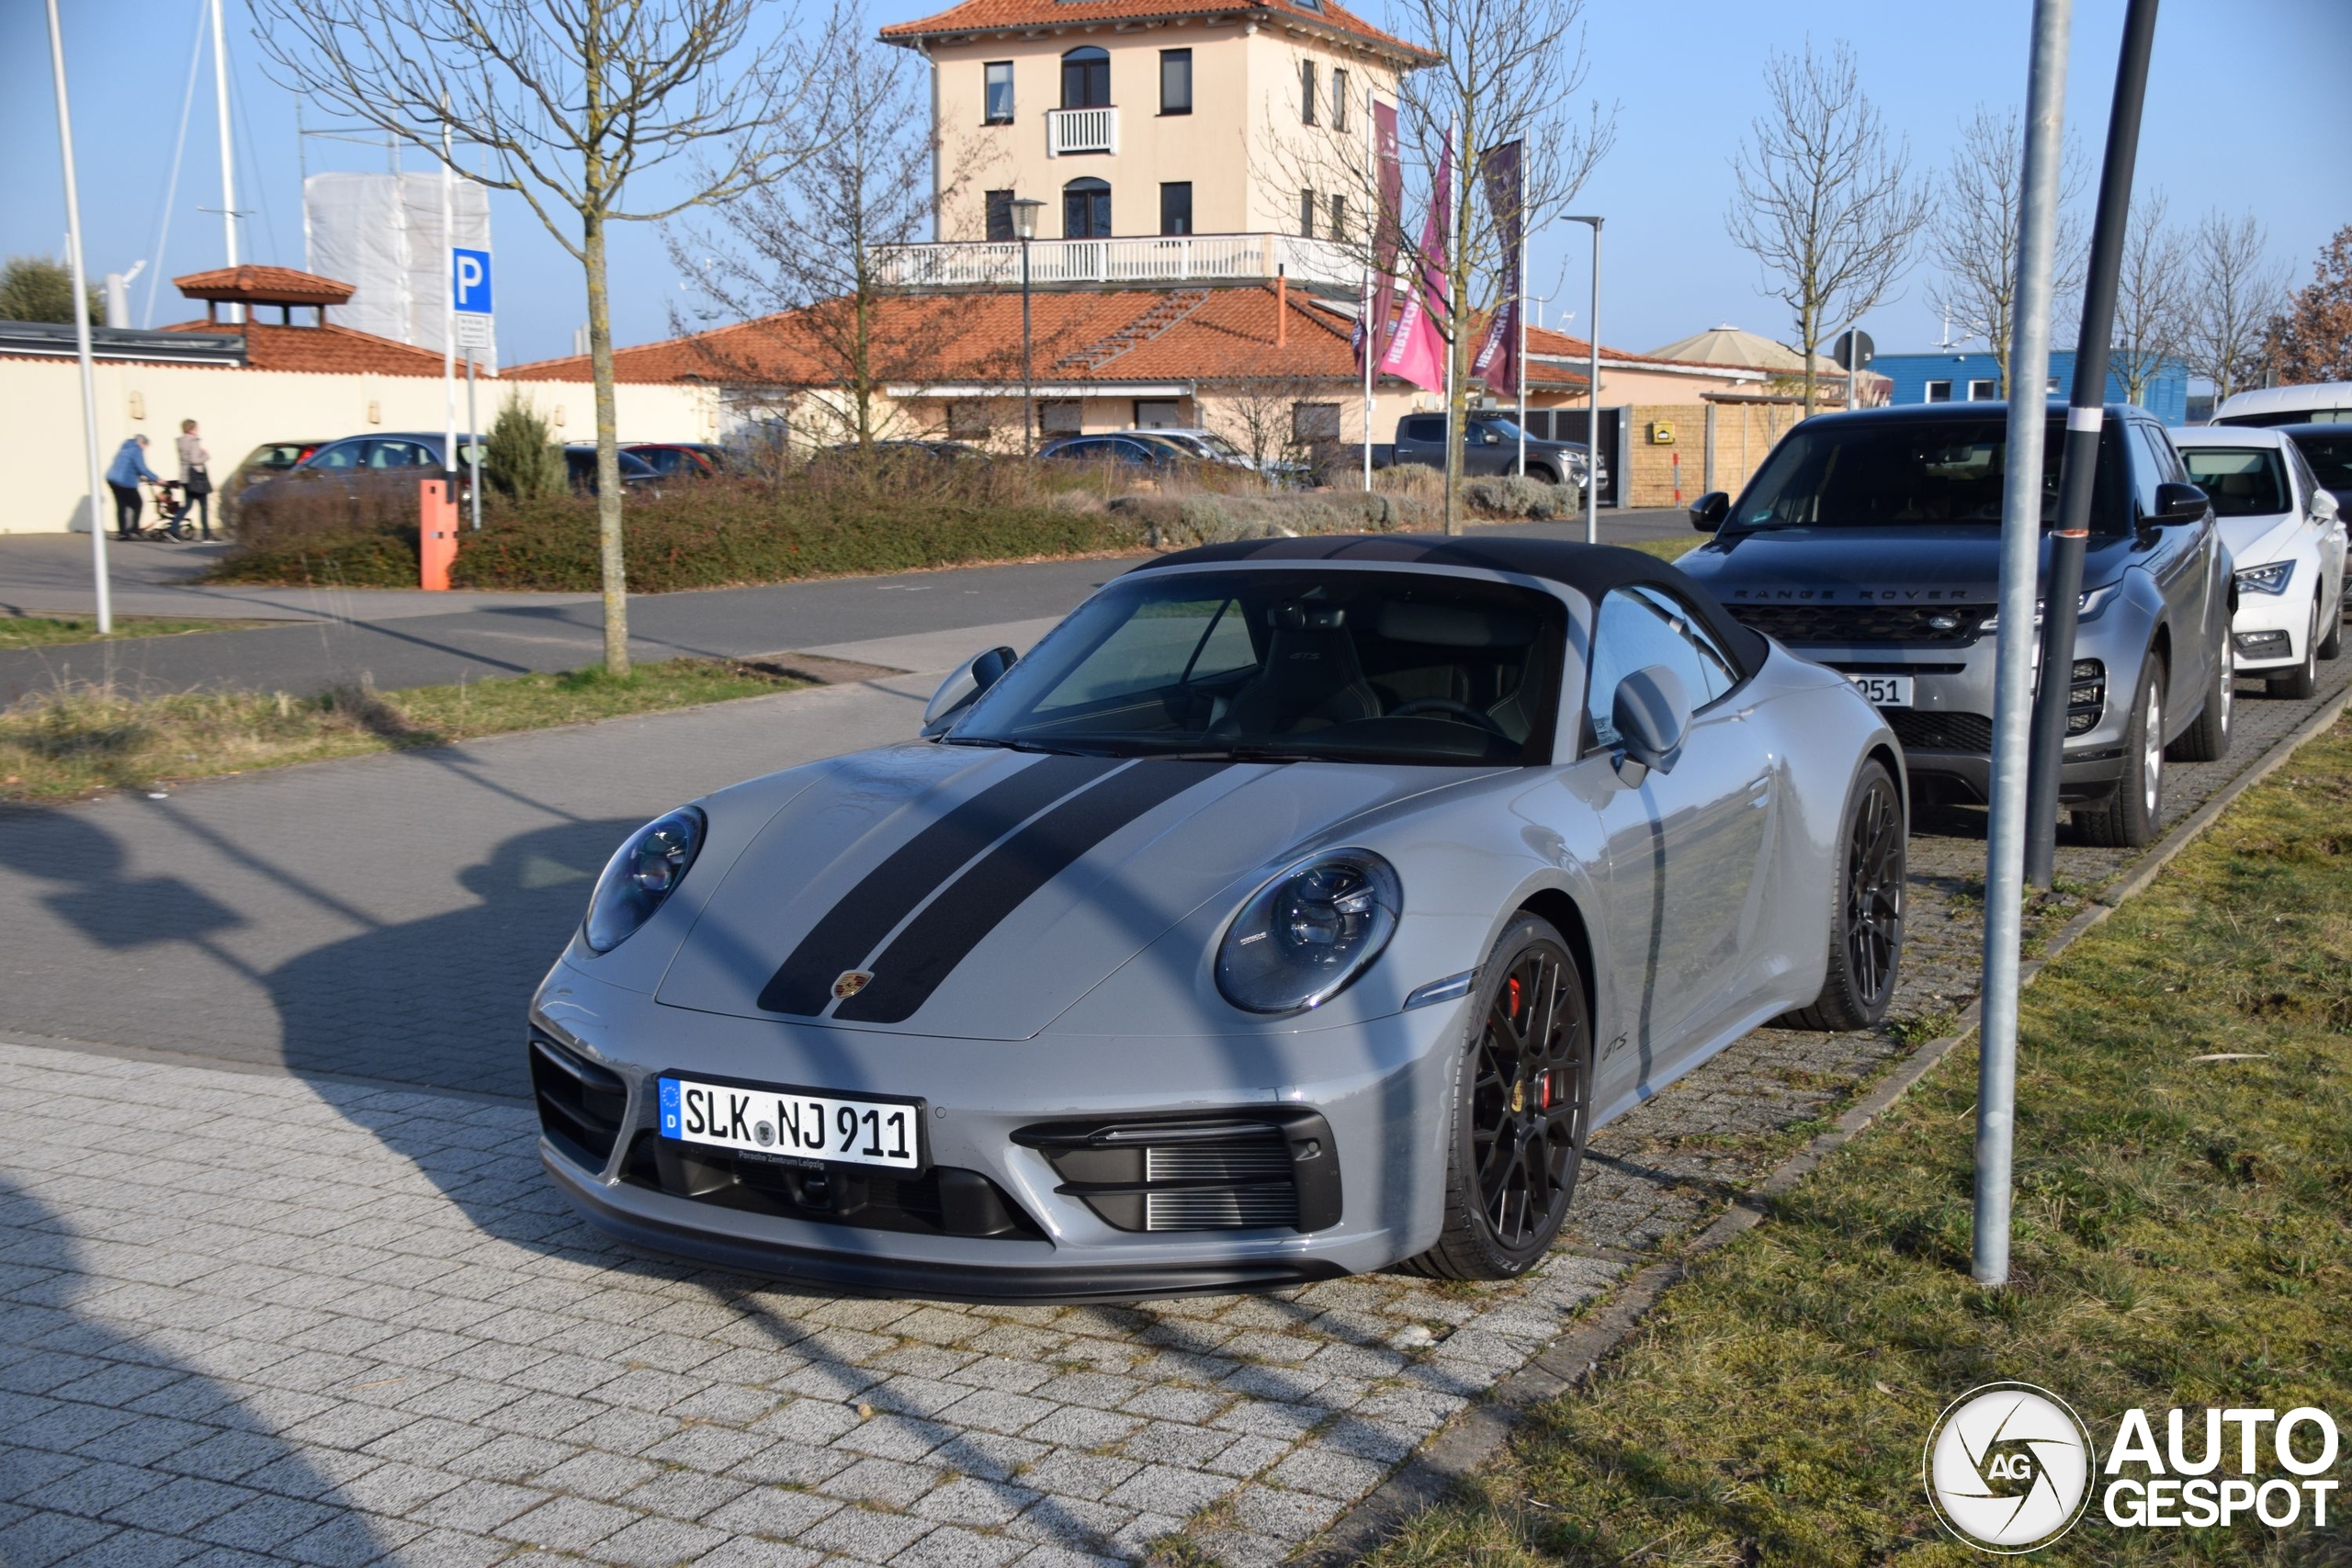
point(2318, 402)
point(2287, 542)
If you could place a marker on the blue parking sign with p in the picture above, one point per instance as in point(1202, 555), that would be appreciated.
point(469, 281)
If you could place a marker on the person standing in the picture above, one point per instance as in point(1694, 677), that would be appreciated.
point(123, 475)
point(195, 475)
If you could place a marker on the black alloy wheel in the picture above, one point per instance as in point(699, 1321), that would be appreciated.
point(1523, 1105)
point(1866, 917)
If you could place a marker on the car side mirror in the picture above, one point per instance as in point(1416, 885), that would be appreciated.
point(1492, 439)
point(2180, 503)
point(1652, 714)
point(1707, 512)
point(2325, 508)
point(963, 688)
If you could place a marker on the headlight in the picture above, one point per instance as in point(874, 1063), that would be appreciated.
point(2271, 579)
point(2089, 604)
point(643, 873)
point(1303, 936)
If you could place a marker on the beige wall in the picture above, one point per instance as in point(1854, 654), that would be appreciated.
point(40, 407)
point(1238, 146)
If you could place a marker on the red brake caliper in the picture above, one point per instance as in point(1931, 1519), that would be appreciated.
point(1510, 992)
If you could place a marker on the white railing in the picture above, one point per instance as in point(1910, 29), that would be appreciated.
point(1146, 261)
point(1081, 131)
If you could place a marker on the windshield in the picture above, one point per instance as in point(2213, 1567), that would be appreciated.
point(2330, 457)
point(1217, 444)
point(2244, 482)
point(1878, 472)
point(1350, 666)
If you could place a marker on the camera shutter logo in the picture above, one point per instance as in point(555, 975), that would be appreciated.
point(2009, 1467)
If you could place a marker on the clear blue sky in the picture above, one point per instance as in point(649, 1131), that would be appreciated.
point(2247, 110)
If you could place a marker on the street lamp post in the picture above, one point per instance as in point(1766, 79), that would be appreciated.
point(1024, 228)
point(1592, 396)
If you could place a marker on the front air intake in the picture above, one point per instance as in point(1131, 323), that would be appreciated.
point(1239, 1170)
point(580, 1104)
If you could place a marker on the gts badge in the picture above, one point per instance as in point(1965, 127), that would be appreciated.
point(850, 982)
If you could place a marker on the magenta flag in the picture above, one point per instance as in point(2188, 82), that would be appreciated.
point(1498, 361)
point(1417, 353)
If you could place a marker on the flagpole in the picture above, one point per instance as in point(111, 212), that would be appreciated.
point(1519, 307)
point(1372, 249)
point(102, 588)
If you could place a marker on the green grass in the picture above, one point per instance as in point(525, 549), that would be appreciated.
point(2181, 1240)
point(80, 740)
point(1664, 549)
point(51, 631)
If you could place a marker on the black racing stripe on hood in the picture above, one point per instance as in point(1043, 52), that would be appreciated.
point(943, 936)
point(856, 925)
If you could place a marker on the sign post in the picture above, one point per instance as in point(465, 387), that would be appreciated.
point(470, 299)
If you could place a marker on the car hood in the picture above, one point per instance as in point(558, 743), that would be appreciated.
point(977, 893)
point(1909, 563)
point(2253, 541)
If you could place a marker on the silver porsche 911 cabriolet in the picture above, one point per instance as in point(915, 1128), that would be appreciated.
point(1294, 907)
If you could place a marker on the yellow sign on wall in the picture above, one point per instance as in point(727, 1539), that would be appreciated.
point(1661, 433)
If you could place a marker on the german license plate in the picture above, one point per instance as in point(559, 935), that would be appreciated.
point(1886, 691)
point(794, 1122)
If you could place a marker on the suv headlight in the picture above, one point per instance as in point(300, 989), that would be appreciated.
point(642, 876)
point(1303, 937)
point(2271, 579)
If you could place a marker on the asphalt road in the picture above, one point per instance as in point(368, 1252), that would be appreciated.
point(397, 640)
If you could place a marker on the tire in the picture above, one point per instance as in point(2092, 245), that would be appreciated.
point(2128, 819)
point(2206, 740)
point(2301, 682)
point(1542, 475)
point(2332, 644)
point(1508, 1089)
point(1865, 911)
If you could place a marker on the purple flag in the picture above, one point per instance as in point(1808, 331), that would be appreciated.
point(1498, 362)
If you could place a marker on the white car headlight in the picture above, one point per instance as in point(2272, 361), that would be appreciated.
point(2270, 579)
point(642, 876)
point(1303, 937)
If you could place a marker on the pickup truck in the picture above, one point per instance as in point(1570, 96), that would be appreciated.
point(1490, 446)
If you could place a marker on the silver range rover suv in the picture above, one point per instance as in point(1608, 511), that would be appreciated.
point(1870, 542)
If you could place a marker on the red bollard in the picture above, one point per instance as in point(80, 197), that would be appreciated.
point(437, 534)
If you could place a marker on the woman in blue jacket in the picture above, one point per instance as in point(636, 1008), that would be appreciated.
point(130, 466)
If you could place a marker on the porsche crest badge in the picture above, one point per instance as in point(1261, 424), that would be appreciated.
point(850, 982)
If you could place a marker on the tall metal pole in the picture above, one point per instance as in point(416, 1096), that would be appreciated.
point(2013, 665)
point(2085, 411)
point(474, 444)
point(1592, 396)
point(448, 306)
point(1521, 325)
point(82, 329)
point(1372, 249)
point(1028, 390)
point(228, 152)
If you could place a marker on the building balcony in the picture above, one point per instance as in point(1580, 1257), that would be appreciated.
point(1144, 262)
point(1081, 131)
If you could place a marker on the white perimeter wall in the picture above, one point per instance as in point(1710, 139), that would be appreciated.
point(238, 410)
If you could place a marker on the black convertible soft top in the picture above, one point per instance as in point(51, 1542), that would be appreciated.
point(1591, 570)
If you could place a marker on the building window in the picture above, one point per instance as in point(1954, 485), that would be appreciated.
point(1086, 79)
point(1086, 211)
point(1314, 422)
point(1938, 391)
point(971, 419)
point(1175, 81)
point(1307, 92)
point(1158, 414)
point(1338, 100)
point(1061, 416)
point(1307, 215)
point(1983, 392)
point(1000, 210)
point(1338, 217)
point(999, 106)
point(1176, 208)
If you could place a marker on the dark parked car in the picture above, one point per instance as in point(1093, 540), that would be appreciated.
point(1871, 542)
point(686, 459)
point(374, 476)
point(1490, 446)
point(2328, 449)
point(1135, 451)
point(580, 464)
point(907, 447)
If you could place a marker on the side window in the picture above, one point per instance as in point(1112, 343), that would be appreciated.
point(2170, 466)
point(1641, 626)
point(2306, 483)
point(343, 455)
point(1425, 427)
point(2146, 472)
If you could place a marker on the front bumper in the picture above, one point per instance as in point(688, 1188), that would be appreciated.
point(2272, 631)
point(1382, 1089)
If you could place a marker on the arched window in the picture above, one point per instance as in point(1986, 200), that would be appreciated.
point(1086, 79)
point(1086, 211)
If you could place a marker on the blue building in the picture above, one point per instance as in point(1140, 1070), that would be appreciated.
point(1949, 377)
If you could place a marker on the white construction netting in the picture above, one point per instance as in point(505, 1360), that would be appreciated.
point(383, 233)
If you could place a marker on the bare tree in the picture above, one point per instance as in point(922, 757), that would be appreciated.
point(1972, 233)
point(2234, 291)
point(2152, 302)
point(572, 101)
point(1826, 201)
point(803, 262)
point(1502, 70)
point(1262, 415)
point(2311, 339)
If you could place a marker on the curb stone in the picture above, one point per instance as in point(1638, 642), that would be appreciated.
point(1566, 1365)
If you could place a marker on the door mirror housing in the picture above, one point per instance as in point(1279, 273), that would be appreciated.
point(1491, 438)
point(1707, 512)
point(963, 688)
point(2324, 506)
point(1652, 715)
point(2180, 502)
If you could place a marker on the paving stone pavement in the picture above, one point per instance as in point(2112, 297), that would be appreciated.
point(255, 1310)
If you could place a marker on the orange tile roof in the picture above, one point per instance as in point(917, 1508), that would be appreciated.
point(255, 285)
point(330, 349)
point(1543, 340)
point(1002, 16)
